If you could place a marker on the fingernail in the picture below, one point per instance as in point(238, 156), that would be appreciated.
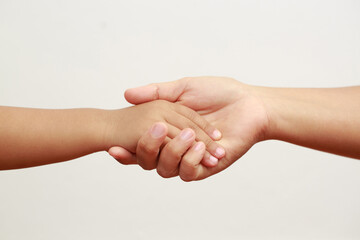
point(219, 152)
point(114, 151)
point(157, 130)
point(213, 160)
point(199, 146)
point(216, 134)
point(186, 134)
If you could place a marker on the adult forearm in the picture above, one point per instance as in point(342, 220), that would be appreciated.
point(323, 119)
point(32, 137)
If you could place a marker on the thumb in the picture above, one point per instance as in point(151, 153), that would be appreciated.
point(122, 155)
point(170, 91)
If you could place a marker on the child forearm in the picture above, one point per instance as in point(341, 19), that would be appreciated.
point(32, 137)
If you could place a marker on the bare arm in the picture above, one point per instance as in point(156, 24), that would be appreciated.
point(323, 119)
point(32, 137)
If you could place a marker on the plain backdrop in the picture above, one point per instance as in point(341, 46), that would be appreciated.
point(85, 53)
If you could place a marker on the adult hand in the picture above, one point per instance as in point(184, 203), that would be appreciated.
point(230, 106)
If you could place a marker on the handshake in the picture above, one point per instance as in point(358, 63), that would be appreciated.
point(192, 127)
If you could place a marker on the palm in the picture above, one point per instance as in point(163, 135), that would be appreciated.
point(225, 104)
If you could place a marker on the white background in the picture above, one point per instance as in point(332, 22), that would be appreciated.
point(66, 54)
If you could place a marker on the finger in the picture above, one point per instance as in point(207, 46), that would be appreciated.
point(169, 91)
point(202, 172)
point(149, 144)
point(193, 116)
point(171, 154)
point(172, 131)
point(212, 147)
point(209, 160)
point(190, 167)
point(122, 155)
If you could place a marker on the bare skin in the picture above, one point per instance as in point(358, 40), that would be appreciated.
point(33, 137)
point(322, 119)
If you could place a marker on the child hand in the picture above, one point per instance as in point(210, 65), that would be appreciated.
point(177, 152)
point(132, 122)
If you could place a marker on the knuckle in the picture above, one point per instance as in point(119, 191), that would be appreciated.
point(147, 167)
point(188, 171)
point(191, 114)
point(197, 123)
point(195, 117)
point(185, 177)
point(186, 162)
point(173, 152)
point(146, 162)
point(156, 94)
point(207, 126)
point(145, 148)
point(165, 174)
point(208, 142)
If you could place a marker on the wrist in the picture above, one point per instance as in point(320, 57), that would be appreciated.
point(111, 129)
point(268, 101)
point(97, 127)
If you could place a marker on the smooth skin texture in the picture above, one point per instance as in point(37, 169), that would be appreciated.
point(322, 119)
point(148, 150)
point(33, 137)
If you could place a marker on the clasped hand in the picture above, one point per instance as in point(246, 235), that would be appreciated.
point(222, 109)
